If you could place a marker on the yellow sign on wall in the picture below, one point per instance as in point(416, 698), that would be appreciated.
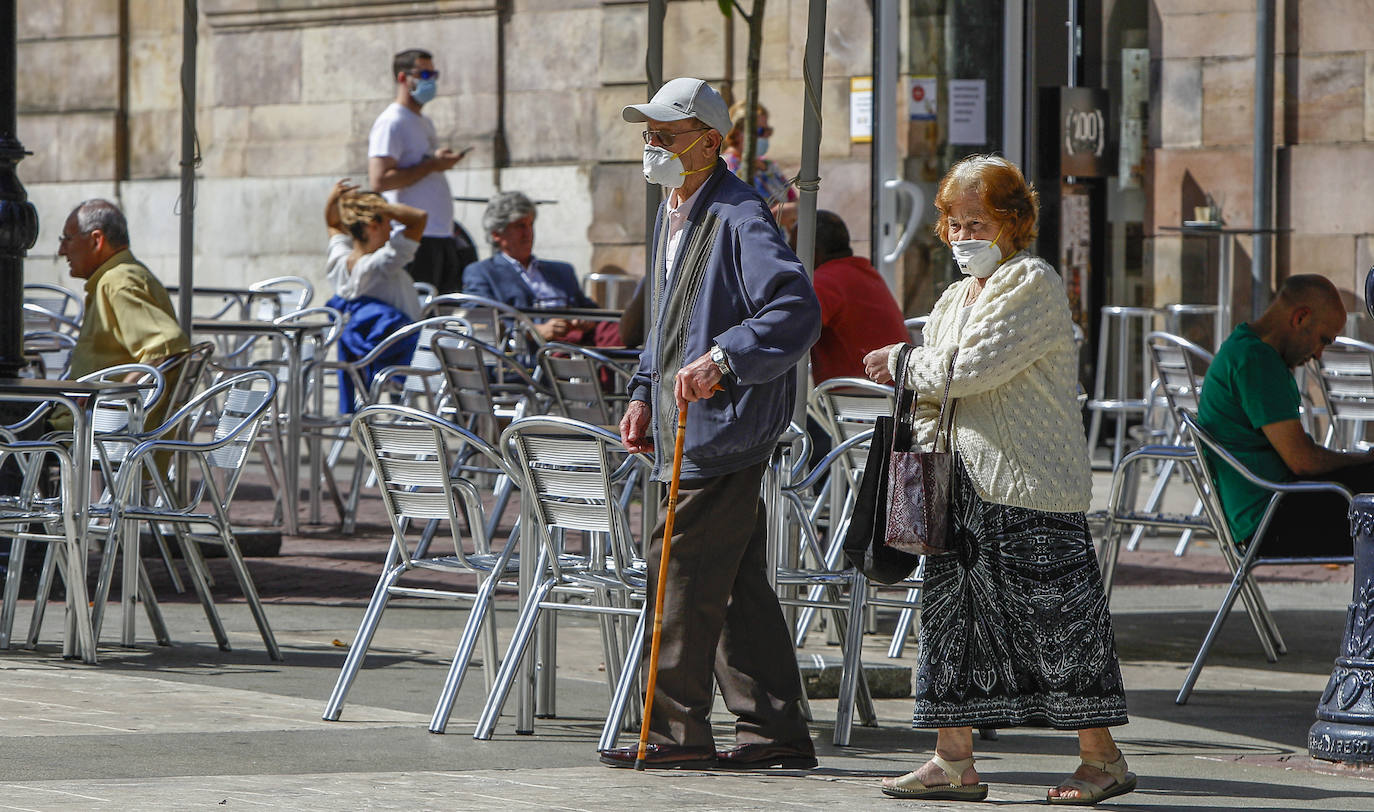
point(861, 109)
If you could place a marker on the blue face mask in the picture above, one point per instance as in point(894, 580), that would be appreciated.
point(760, 146)
point(424, 90)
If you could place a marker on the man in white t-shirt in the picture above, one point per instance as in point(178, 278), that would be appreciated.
point(406, 164)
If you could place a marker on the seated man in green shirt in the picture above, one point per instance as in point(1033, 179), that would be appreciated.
point(1250, 405)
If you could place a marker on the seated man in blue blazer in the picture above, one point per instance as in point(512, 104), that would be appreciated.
point(513, 274)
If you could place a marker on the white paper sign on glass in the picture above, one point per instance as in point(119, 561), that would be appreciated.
point(968, 111)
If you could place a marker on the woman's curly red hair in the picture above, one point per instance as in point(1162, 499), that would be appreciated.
point(1003, 190)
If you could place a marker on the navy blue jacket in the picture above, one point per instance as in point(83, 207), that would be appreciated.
point(495, 278)
point(736, 284)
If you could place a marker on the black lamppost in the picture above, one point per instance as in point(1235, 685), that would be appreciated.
point(18, 217)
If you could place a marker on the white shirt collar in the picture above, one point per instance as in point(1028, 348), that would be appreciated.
point(512, 260)
point(685, 207)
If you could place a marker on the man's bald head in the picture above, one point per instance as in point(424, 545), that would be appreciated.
point(1313, 291)
point(1303, 319)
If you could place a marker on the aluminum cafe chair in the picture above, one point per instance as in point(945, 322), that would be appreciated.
point(109, 415)
point(280, 296)
point(421, 377)
point(845, 407)
point(1179, 368)
point(49, 352)
point(569, 471)
point(425, 292)
point(68, 305)
point(56, 517)
point(587, 385)
point(915, 329)
point(1344, 377)
point(830, 582)
point(1244, 560)
point(486, 390)
point(494, 323)
point(210, 471)
point(413, 454)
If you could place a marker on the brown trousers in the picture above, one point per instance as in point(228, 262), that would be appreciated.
point(721, 615)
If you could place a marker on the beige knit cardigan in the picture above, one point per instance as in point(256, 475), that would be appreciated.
point(1018, 427)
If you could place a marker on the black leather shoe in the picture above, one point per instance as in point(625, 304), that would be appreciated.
point(764, 755)
point(662, 757)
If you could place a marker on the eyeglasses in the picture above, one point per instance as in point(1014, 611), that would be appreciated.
point(63, 239)
point(764, 132)
point(664, 138)
point(424, 74)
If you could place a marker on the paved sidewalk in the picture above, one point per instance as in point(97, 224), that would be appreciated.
point(190, 726)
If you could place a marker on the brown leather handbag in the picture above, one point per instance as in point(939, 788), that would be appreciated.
point(918, 520)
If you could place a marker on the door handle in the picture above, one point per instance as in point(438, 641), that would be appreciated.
point(917, 198)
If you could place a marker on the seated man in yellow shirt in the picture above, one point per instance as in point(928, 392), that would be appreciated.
point(129, 316)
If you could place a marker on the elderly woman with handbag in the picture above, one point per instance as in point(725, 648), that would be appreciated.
point(1014, 623)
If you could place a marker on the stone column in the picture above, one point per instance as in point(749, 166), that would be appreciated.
point(18, 217)
point(1344, 730)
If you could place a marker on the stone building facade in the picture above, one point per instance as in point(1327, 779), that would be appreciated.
point(1201, 140)
point(288, 89)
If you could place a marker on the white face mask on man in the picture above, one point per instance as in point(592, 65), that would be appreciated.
point(977, 258)
point(665, 168)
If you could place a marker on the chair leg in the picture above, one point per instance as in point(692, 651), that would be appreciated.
point(42, 595)
point(195, 565)
point(11, 600)
point(73, 565)
point(250, 593)
point(479, 621)
point(161, 540)
point(1111, 551)
point(853, 661)
point(515, 652)
point(1196, 668)
point(103, 581)
point(362, 640)
point(151, 607)
point(906, 618)
point(625, 687)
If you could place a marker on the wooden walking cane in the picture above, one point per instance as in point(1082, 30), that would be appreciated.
point(662, 585)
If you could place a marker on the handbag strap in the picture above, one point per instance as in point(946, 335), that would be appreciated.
point(945, 423)
point(904, 403)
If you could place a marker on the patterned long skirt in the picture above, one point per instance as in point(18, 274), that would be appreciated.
point(1014, 623)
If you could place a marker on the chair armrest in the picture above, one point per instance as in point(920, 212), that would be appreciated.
point(828, 460)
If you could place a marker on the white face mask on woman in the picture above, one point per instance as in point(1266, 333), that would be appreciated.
point(665, 168)
point(977, 258)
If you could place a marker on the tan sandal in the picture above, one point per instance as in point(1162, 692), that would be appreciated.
point(1090, 793)
point(910, 787)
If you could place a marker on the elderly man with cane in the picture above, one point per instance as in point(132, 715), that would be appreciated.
point(733, 311)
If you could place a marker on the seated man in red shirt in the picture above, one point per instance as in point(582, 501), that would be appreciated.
point(858, 313)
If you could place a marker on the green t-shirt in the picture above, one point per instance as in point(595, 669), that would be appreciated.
point(1248, 386)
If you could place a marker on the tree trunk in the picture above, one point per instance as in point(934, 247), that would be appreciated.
point(751, 93)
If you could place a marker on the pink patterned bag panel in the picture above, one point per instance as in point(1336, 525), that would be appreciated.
point(918, 501)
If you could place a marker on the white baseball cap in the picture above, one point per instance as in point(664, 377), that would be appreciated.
point(684, 98)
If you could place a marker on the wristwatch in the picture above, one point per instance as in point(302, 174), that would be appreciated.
point(719, 359)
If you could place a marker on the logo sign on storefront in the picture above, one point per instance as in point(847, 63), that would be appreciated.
point(1083, 141)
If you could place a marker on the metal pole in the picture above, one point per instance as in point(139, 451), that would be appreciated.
point(808, 177)
point(653, 72)
point(18, 217)
point(189, 158)
point(884, 166)
point(1262, 249)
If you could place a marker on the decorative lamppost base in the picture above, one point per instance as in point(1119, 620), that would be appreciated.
point(1344, 730)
